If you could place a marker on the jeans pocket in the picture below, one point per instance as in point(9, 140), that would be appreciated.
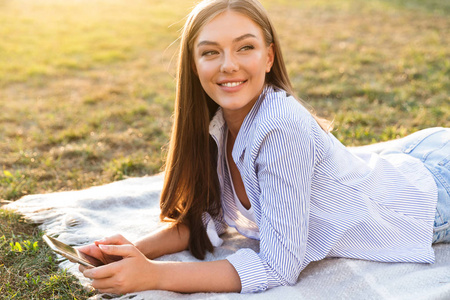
point(445, 162)
point(441, 227)
point(441, 171)
point(441, 232)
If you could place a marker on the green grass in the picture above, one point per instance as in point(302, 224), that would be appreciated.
point(87, 88)
point(380, 69)
point(28, 268)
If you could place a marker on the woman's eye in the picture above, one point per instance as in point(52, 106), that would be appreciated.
point(247, 47)
point(209, 53)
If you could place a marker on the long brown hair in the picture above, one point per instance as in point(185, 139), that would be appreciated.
point(191, 184)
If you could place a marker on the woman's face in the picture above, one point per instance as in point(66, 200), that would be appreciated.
point(231, 59)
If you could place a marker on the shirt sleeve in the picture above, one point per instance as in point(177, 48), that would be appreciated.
point(215, 226)
point(284, 166)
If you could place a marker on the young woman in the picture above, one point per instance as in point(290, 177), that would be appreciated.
point(245, 153)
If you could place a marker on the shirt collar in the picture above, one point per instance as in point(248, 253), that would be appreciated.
point(217, 126)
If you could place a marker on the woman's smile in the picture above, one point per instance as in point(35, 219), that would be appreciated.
point(231, 84)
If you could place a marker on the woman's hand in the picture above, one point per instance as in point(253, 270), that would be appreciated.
point(94, 251)
point(131, 274)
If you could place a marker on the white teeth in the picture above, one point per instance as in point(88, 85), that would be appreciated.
point(231, 84)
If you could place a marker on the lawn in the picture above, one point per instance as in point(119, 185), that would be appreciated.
point(87, 88)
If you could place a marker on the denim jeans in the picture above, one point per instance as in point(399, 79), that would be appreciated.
point(432, 147)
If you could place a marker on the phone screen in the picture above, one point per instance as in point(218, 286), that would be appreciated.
point(71, 253)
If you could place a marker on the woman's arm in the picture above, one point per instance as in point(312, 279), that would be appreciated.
point(137, 273)
point(190, 277)
point(166, 240)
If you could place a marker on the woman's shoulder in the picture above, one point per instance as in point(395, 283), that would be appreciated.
point(283, 118)
point(278, 106)
point(284, 113)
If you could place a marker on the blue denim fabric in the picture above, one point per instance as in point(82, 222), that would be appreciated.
point(432, 147)
point(434, 150)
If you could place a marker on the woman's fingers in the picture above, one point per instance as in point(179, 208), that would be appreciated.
point(101, 272)
point(90, 249)
point(116, 239)
point(112, 268)
point(81, 268)
point(95, 252)
point(112, 240)
point(119, 250)
point(109, 291)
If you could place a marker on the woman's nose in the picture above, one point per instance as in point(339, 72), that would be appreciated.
point(229, 63)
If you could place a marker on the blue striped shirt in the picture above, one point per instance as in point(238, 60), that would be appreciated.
point(314, 198)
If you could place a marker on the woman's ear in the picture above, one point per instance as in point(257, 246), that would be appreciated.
point(270, 57)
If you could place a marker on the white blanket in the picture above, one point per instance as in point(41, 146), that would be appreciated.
point(131, 207)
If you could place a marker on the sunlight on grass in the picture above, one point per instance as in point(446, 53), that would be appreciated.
point(58, 37)
point(86, 87)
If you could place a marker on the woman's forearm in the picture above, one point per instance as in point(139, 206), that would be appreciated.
point(185, 277)
point(169, 239)
point(136, 273)
point(190, 277)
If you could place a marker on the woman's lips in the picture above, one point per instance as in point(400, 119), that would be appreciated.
point(231, 84)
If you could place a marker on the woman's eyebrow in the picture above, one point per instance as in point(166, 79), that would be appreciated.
point(238, 39)
point(244, 36)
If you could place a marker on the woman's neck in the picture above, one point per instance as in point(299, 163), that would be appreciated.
point(235, 118)
point(234, 122)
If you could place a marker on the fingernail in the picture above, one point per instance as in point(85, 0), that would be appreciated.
point(104, 247)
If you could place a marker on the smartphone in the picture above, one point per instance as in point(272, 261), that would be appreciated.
point(71, 253)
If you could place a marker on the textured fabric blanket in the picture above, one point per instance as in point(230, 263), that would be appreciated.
point(131, 207)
